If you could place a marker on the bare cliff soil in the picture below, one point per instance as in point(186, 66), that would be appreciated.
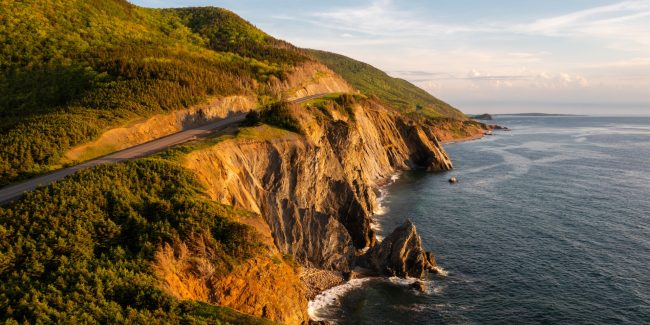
point(315, 190)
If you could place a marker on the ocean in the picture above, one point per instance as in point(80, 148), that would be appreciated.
point(548, 224)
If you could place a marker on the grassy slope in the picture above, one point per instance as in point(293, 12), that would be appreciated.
point(397, 93)
point(81, 249)
point(69, 69)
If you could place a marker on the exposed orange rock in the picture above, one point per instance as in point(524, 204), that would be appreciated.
point(316, 191)
point(264, 285)
point(313, 78)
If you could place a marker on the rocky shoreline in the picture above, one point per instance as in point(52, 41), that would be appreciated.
point(316, 191)
point(470, 138)
point(319, 281)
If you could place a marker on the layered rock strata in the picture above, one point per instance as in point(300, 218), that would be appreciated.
point(316, 191)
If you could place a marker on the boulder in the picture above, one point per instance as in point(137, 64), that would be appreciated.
point(420, 286)
point(401, 254)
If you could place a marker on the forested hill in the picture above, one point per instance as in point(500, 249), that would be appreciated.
point(398, 93)
point(95, 247)
point(71, 69)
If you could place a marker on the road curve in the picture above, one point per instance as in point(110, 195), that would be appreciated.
point(15, 191)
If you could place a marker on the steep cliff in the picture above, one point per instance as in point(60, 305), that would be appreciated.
point(316, 191)
point(265, 285)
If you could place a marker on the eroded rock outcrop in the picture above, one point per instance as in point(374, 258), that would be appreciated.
point(311, 78)
point(316, 191)
point(400, 254)
point(265, 285)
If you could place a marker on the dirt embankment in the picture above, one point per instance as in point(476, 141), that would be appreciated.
point(308, 79)
point(159, 126)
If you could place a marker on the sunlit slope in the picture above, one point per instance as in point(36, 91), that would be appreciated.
point(396, 92)
point(71, 69)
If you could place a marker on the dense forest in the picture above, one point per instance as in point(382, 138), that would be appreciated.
point(80, 250)
point(70, 69)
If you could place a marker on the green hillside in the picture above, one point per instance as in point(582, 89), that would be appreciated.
point(398, 93)
point(69, 69)
point(81, 250)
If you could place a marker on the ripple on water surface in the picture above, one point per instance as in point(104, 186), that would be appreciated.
point(549, 223)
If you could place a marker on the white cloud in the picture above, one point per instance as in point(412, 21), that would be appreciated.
point(475, 68)
point(624, 25)
point(616, 13)
point(382, 18)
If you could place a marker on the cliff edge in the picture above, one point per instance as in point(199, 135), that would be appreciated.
point(316, 187)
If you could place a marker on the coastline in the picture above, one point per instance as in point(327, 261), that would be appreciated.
point(465, 139)
point(326, 287)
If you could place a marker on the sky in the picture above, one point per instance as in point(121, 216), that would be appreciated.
point(498, 56)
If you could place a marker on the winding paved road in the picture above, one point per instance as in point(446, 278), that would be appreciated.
point(15, 191)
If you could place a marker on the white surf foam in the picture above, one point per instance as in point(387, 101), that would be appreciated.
point(382, 209)
point(402, 281)
point(441, 271)
point(331, 298)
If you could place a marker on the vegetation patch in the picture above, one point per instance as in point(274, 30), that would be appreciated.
point(447, 129)
point(73, 69)
point(340, 104)
point(81, 250)
point(278, 114)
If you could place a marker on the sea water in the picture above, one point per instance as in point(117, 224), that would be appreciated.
point(549, 223)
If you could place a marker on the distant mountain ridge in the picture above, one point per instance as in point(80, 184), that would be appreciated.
point(537, 114)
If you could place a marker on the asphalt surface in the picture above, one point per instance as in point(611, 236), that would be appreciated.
point(15, 191)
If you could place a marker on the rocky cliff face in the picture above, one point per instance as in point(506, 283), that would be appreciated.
point(316, 192)
point(311, 78)
point(265, 285)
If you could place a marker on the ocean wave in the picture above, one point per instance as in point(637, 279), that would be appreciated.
point(441, 272)
point(381, 209)
point(403, 281)
point(320, 308)
point(331, 298)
